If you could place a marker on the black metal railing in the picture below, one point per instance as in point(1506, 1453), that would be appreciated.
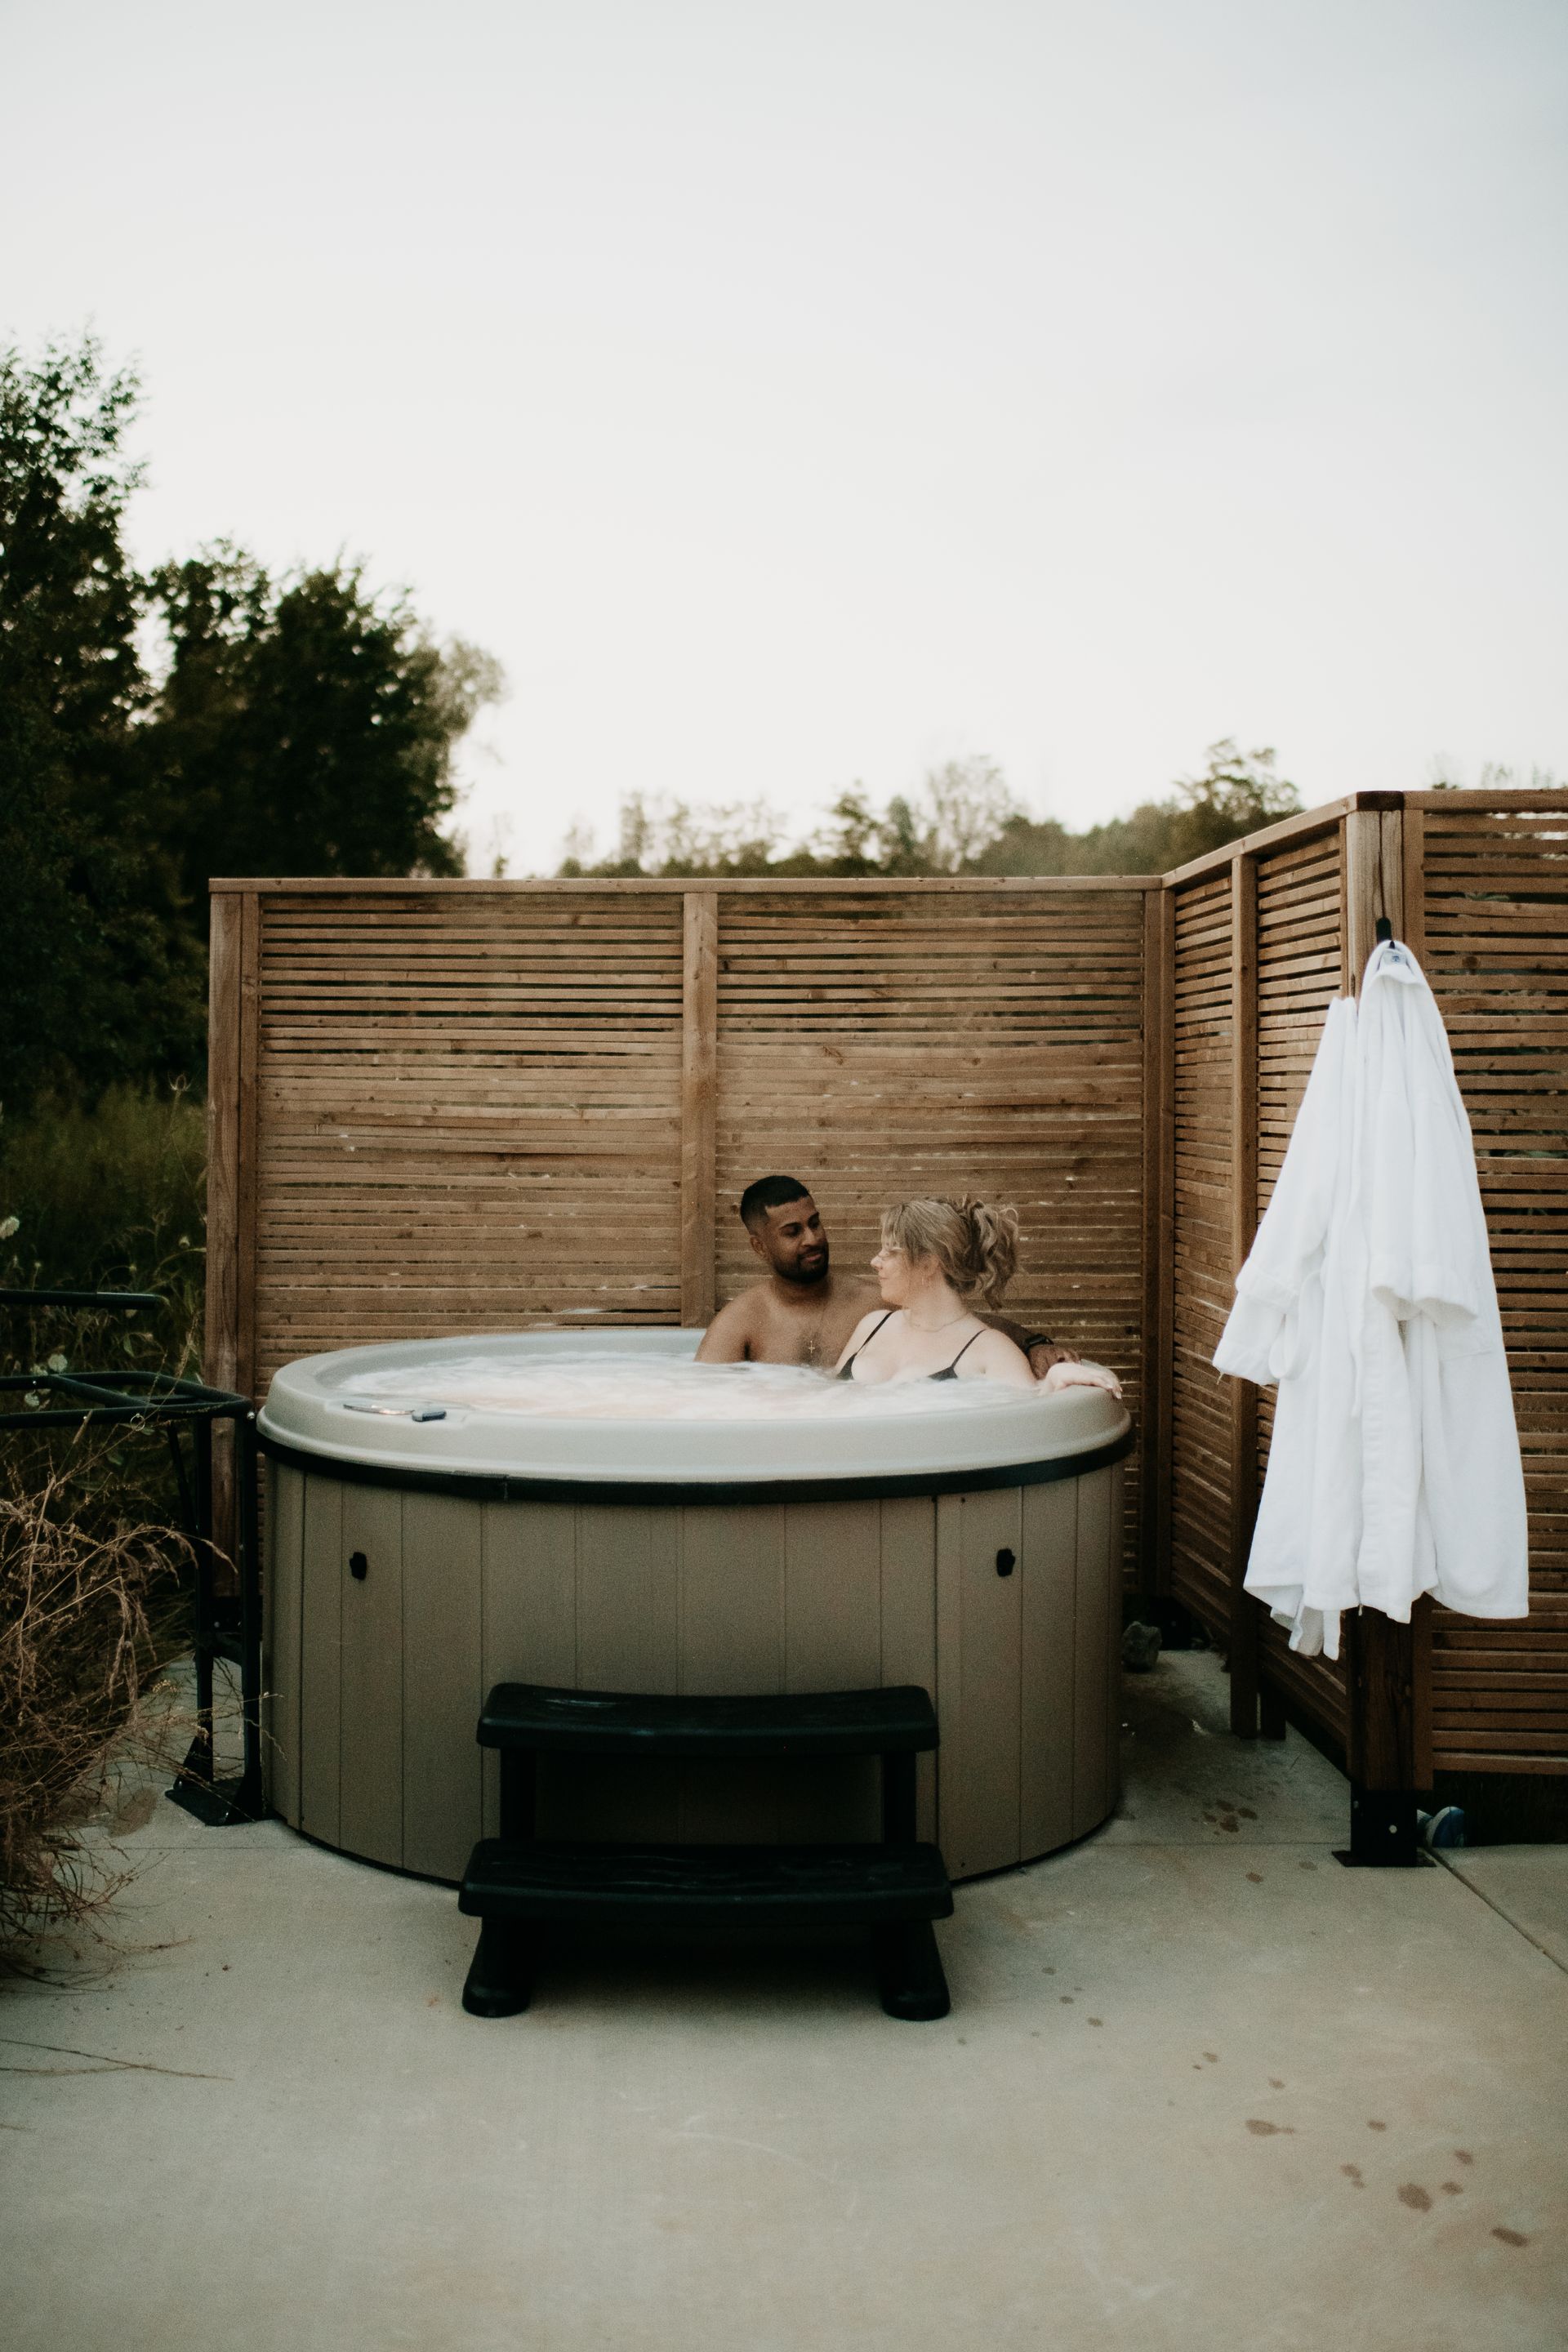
point(225, 1626)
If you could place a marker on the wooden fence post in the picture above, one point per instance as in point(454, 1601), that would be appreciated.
point(246, 1365)
point(229, 1348)
point(1381, 1707)
point(1244, 1609)
point(220, 1354)
point(1159, 1232)
point(699, 1105)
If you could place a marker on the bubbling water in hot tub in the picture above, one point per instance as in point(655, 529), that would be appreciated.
point(622, 1387)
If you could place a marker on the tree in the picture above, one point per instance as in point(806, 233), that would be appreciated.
point(101, 980)
point(959, 810)
point(738, 837)
point(1238, 792)
point(963, 820)
point(966, 805)
point(307, 727)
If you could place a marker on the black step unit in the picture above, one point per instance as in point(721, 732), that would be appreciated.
point(517, 1885)
point(897, 1721)
point(706, 1887)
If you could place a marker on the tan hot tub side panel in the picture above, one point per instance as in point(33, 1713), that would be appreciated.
point(374, 1681)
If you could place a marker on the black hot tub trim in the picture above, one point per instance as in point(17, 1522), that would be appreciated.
point(488, 1486)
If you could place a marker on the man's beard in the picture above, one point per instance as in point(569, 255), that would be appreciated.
point(804, 1276)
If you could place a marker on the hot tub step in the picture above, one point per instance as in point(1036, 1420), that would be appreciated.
point(897, 1721)
point(707, 1888)
point(516, 1884)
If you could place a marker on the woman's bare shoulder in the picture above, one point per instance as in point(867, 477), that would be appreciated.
point(995, 1357)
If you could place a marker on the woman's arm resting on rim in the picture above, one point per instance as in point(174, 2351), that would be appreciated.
point(1079, 1375)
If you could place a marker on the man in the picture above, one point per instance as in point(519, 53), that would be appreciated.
point(803, 1313)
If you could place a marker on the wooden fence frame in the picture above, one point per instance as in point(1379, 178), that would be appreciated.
point(1385, 1735)
point(1386, 1732)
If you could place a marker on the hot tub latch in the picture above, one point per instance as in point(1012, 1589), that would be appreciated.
point(359, 1567)
point(1006, 1561)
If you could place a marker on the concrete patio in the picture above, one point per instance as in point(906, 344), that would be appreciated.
point(1200, 2087)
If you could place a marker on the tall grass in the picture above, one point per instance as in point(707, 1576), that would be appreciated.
point(92, 1196)
point(85, 1628)
point(106, 1195)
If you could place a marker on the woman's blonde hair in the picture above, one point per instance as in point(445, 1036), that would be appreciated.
point(975, 1243)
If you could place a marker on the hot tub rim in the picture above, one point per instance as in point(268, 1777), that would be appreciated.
point(491, 1487)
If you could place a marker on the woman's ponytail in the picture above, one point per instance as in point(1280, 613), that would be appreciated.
point(975, 1243)
point(994, 1248)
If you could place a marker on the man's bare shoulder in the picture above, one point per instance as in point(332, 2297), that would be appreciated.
point(727, 1337)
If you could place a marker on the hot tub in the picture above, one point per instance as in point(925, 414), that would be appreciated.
point(443, 1515)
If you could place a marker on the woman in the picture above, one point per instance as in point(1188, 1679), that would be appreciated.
point(938, 1261)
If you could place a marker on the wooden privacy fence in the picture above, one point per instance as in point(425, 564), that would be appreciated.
point(443, 1107)
point(1259, 938)
point(440, 1106)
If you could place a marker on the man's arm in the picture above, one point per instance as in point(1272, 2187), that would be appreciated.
point(728, 1337)
point(1041, 1351)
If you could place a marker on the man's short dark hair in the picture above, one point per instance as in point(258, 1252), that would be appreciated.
point(769, 1192)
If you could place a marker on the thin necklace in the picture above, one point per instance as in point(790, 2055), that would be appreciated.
point(932, 1329)
point(814, 1339)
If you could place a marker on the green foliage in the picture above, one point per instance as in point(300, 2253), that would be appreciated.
point(307, 726)
point(105, 1198)
point(70, 598)
point(960, 809)
point(964, 820)
point(1444, 775)
point(742, 838)
point(101, 982)
point(93, 1576)
point(1239, 793)
point(301, 727)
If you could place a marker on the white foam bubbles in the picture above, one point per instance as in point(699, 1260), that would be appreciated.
point(606, 1386)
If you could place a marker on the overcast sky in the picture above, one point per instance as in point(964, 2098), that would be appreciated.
point(789, 395)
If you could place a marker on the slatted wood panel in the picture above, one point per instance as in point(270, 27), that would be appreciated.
point(444, 1108)
point(883, 1046)
point(1480, 889)
point(1201, 1196)
point(1495, 926)
point(467, 1114)
point(1300, 893)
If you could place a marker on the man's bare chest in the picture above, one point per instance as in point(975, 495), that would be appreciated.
point(813, 1336)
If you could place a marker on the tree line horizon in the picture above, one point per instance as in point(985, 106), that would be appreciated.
point(206, 715)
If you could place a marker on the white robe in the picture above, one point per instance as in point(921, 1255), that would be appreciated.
point(1288, 1326)
point(1442, 1482)
point(1394, 1467)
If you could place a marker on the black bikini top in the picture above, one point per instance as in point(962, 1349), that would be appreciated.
point(948, 1372)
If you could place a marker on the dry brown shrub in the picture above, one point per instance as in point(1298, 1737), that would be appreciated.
point(87, 1603)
